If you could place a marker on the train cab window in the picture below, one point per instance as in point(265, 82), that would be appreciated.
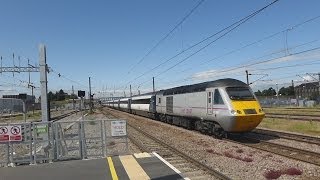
point(159, 101)
point(217, 97)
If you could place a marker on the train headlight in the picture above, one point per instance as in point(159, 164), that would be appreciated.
point(234, 112)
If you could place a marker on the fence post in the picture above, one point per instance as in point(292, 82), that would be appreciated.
point(11, 155)
point(102, 122)
point(84, 143)
point(80, 139)
point(35, 144)
point(56, 141)
point(106, 137)
point(127, 148)
point(52, 141)
point(30, 139)
point(8, 154)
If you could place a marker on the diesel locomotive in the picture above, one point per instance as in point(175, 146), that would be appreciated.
point(216, 107)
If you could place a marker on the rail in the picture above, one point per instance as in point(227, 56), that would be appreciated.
point(173, 150)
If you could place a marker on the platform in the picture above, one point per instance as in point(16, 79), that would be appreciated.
point(137, 166)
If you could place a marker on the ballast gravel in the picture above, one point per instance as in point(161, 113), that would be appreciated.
point(235, 160)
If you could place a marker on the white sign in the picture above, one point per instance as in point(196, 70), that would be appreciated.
point(118, 128)
point(10, 133)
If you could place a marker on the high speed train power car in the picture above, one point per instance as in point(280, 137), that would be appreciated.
point(215, 107)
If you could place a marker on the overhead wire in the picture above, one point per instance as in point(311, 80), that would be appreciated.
point(65, 77)
point(296, 65)
point(270, 60)
point(232, 26)
point(260, 40)
point(224, 34)
point(167, 34)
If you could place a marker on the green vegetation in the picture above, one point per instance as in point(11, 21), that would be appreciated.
point(293, 111)
point(60, 96)
point(284, 91)
point(304, 127)
point(19, 117)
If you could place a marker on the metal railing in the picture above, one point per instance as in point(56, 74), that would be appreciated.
point(62, 140)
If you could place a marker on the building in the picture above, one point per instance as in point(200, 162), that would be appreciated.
point(308, 90)
point(13, 103)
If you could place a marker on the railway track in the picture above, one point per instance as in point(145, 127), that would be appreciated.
point(56, 118)
point(289, 136)
point(189, 166)
point(286, 151)
point(29, 127)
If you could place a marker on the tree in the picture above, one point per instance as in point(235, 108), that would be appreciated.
point(288, 91)
point(51, 96)
point(258, 93)
point(269, 92)
point(61, 95)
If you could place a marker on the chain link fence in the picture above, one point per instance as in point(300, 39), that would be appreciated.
point(63, 140)
point(284, 101)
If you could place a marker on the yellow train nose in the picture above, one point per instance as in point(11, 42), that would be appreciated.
point(246, 123)
point(249, 115)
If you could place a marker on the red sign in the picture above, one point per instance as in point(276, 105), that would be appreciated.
point(10, 133)
point(4, 136)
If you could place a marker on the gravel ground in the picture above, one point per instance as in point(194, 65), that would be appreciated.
point(290, 143)
point(236, 161)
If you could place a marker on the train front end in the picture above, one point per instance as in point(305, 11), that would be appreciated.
point(246, 110)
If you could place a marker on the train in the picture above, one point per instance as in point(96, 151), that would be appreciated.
point(216, 107)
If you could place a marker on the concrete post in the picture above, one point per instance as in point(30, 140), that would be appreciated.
point(44, 83)
point(44, 91)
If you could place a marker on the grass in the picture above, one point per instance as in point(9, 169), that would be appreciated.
point(299, 111)
point(304, 127)
point(30, 115)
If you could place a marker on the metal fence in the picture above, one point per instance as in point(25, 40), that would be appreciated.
point(63, 140)
point(282, 101)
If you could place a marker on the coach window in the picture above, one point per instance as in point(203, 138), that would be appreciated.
point(217, 97)
point(159, 101)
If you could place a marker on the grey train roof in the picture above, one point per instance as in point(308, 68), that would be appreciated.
point(203, 86)
point(198, 87)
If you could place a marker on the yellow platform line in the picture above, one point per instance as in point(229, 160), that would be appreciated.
point(112, 170)
point(133, 169)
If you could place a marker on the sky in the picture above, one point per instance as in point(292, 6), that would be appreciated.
point(122, 43)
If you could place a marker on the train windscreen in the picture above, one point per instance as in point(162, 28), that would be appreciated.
point(240, 93)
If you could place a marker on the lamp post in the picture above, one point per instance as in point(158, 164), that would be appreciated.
point(277, 94)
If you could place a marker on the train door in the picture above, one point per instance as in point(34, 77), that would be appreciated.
point(152, 107)
point(209, 103)
point(218, 104)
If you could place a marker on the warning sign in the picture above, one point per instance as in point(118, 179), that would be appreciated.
point(15, 133)
point(118, 128)
point(10, 133)
point(4, 135)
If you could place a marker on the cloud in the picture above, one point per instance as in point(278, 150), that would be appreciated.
point(298, 57)
point(241, 69)
point(218, 73)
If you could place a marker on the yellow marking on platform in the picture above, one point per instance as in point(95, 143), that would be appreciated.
point(142, 155)
point(133, 169)
point(112, 170)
